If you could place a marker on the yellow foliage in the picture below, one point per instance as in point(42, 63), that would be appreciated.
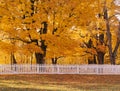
point(101, 48)
point(68, 24)
point(31, 48)
point(7, 47)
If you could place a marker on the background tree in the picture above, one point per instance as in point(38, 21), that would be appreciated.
point(112, 51)
point(34, 24)
point(105, 11)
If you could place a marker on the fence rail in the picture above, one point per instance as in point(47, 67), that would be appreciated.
point(60, 69)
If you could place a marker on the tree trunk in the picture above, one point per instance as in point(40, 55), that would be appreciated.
point(54, 60)
point(100, 53)
point(113, 60)
point(95, 62)
point(13, 60)
point(92, 60)
point(39, 58)
point(108, 33)
point(114, 54)
point(100, 57)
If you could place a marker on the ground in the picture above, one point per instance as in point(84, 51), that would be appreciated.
point(59, 82)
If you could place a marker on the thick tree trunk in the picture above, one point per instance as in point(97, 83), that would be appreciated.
point(54, 60)
point(100, 57)
point(39, 58)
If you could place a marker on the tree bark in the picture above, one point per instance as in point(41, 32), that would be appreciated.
point(92, 61)
point(13, 60)
point(54, 60)
point(112, 54)
point(100, 57)
point(40, 58)
point(100, 54)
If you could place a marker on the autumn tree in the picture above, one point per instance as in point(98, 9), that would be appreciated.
point(33, 18)
point(60, 47)
point(17, 24)
point(92, 35)
point(104, 13)
point(44, 27)
point(107, 17)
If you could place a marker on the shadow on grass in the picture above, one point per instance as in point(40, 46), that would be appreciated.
point(96, 87)
point(31, 89)
point(21, 89)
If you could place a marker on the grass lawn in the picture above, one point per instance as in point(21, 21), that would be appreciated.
point(59, 83)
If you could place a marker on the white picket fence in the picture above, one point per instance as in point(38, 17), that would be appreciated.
point(60, 69)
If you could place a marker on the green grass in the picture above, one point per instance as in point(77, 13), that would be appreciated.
point(16, 83)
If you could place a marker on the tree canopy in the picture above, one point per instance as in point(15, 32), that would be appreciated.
point(54, 29)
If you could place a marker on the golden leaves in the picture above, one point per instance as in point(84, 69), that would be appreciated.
point(21, 18)
point(91, 51)
point(31, 48)
point(59, 45)
point(34, 34)
point(101, 48)
point(7, 47)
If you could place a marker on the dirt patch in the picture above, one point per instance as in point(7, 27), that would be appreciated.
point(108, 79)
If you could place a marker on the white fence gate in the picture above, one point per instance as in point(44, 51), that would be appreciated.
point(60, 69)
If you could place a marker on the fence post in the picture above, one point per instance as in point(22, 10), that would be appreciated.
point(97, 67)
point(77, 69)
point(37, 69)
point(58, 69)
